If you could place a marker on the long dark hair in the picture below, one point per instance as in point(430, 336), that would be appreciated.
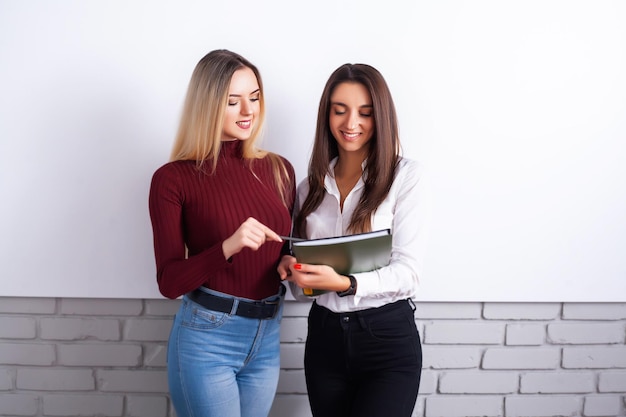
point(383, 152)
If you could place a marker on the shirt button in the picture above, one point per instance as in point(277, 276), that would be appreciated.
point(346, 319)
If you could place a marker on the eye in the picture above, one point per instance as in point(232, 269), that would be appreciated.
point(365, 114)
point(232, 103)
point(339, 112)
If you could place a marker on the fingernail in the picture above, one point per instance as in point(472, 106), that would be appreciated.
point(297, 266)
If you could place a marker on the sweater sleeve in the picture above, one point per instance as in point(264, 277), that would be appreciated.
point(176, 273)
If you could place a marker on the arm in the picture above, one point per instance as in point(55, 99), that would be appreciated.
point(409, 210)
point(177, 273)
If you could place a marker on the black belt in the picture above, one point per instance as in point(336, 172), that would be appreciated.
point(264, 309)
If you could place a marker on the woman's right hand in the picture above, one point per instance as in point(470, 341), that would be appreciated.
point(284, 270)
point(251, 234)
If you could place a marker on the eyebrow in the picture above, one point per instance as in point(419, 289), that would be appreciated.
point(258, 90)
point(339, 103)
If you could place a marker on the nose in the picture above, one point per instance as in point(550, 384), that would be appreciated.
point(353, 120)
point(246, 107)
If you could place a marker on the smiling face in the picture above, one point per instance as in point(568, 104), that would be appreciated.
point(351, 117)
point(243, 105)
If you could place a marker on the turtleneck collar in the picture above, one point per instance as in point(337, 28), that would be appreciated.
point(232, 148)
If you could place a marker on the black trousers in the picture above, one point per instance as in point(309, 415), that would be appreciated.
point(363, 364)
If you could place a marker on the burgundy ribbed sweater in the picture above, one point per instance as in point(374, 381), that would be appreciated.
point(197, 210)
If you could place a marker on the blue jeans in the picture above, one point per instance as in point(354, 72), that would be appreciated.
point(222, 365)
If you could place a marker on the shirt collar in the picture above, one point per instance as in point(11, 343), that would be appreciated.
point(329, 180)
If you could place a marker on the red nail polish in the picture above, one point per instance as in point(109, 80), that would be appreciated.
point(297, 266)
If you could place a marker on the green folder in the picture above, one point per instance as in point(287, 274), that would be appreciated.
point(347, 255)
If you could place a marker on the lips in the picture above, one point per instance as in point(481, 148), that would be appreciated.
point(351, 136)
point(244, 124)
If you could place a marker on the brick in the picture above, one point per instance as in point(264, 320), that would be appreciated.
point(428, 382)
point(603, 406)
point(463, 406)
point(296, 309)
point(464, 333)
point(542, 406)
point(26, 354)
point(19, 405)
point(27, 305)
point(557, 382)
point(132, 380)
point(293, 330)
point(478, 382)
point(444, 357)
point(292, 382)
point(99, 355)
point(292, 356)
point(521, 311)
point(521, 358)
point(146, 406)
point(58, 328)
point(155, 356)
point(165, 307)
point(420, 405)
point(42, 379)
point(594, 311)
point(83, 405)
point(6, 379)
point(101, 307)
point(290, 406)
point(155, 330)
point(594, 357)
point(448, 311)
point(420, 328)
point(586, 333)
point(525, 334)
point(612, 382)
point(18, 328)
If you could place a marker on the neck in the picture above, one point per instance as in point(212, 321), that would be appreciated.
point(349, 164)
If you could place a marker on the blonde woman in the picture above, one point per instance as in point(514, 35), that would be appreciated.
point(217, 210)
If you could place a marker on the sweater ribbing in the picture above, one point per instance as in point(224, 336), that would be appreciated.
point(193, 209)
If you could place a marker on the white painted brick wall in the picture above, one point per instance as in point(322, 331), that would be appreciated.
point(85, 357)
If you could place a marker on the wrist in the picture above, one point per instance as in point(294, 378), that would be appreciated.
point(351, 290)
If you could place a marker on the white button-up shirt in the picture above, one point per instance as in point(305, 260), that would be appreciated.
point(405, 211)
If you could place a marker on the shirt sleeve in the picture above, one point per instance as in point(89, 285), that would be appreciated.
point(410, 204)
point(176, 273)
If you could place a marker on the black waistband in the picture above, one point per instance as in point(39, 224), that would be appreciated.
point(369, 311)
point(264, 309)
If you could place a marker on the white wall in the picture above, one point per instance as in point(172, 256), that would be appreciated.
point(517, 108)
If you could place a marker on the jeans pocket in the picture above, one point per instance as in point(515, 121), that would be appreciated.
point(194, 316)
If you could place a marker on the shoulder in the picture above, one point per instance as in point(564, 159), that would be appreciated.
point(173, 171)
point(303, 188)
point(288, 165)
point(272, 158)
point(409, 173)
point(408, 166)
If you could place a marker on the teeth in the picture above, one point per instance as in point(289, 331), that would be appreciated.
point(244, 124)
point(351, 135)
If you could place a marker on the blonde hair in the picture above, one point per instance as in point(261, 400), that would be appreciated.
point(202, 120)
